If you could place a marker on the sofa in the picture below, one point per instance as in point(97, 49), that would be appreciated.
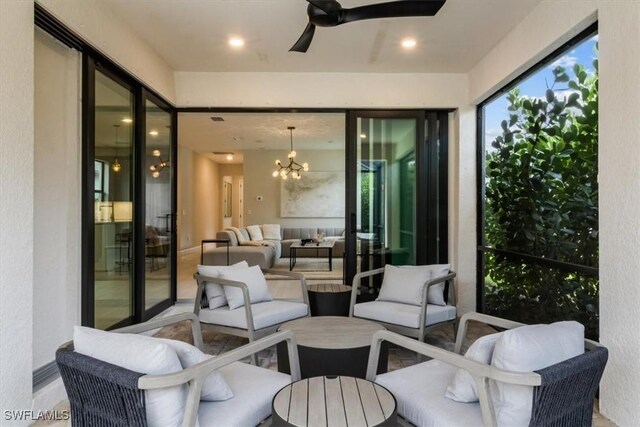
point(267, 252)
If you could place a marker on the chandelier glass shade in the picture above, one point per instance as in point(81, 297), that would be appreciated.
point(294, 168)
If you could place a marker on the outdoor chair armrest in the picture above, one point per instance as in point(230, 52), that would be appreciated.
point(195, 375)
point(355, 285)
point(480, 372)
point(295, 275)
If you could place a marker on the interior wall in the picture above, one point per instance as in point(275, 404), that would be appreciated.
point(16, 205)
point(258, 181)
point(553, 23)
point(234, 171)
point(94, 21)
point(56, 197)
point(199, 195)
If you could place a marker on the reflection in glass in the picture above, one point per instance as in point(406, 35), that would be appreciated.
point(113, 183)
point(158, 205)
point(386, 179)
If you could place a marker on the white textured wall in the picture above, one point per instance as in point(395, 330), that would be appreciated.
point(545, 29)
point(330, 90)
point(16, 204)
point(94, 21)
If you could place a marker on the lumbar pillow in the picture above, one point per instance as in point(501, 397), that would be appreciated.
point(255, 281)
point(271, 231)
point(463, 387)
point(164, 407)
point(255, 233)
point(405, 284)
point(527, 349)
point(435, 294)
point(214, 292)
point(214, 387)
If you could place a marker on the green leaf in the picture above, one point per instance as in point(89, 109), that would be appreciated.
point(551, 96)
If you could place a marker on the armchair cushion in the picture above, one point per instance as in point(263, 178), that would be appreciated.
point(255, 233)
point(214, 387)
point(271, 231)
point(463, 387)
point(254, 390)
point(405, 284)
point(214, 292)
point(403, 314)
point(419, 391)
point(265, 314)
point(164, 407)
point(255, 281)
point(527, 349)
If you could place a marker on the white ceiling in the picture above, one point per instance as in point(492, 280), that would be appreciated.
point(191, 35)
point(259, 131)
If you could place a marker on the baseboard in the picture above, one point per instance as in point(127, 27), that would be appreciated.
point(189, 250)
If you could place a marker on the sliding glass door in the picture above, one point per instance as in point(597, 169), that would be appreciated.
point(396, 194)
point(129, 200)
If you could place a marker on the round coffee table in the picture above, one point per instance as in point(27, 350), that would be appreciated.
point(332, 345)
point(333, 401)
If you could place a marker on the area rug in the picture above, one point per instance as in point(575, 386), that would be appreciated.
point(312, 268)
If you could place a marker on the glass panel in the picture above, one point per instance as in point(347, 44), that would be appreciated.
point(113, 197)
point(541, 190)
point(158, 205)
point(386, 179)
point(531, 293)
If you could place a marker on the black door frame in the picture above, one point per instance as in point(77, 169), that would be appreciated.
point(431, 126)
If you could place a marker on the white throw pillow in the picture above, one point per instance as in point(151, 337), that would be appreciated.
point(527, 349)
point(213, 291)
point(255, 233)
point(405, 283)
point(164, 407)
point(214, 387)
point(435, 295)
point(242, 239)
point(463, 387)
point(255, 281)
point(271, 232)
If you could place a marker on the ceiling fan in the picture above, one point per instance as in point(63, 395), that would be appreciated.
point(329, 13)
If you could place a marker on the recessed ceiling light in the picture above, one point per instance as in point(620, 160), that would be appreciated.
point(229, 157)
point(127, 120)
point(153, 133)
point(408, 43)
point(236, 42)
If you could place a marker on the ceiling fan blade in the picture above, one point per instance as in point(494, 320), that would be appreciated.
point(393, 9)
point(305, 39)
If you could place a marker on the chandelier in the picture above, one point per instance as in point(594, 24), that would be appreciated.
point(293, 168)
point(157, 168)
point(116, 164)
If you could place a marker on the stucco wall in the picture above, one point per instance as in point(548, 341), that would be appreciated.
point(94, 21)
point(16, 204)
point(546, 28)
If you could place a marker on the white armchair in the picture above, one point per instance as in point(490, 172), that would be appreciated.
point(559, 394)
point(102, 393)
point(405, 319)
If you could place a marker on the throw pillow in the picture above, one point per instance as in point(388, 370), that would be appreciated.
point(405, 284)
point(164, 407)
point(239, 235)
point(463, 387)
point(255, 233)
point(435, 294)
point(213, 291)
point(255, 281)
point(214, 387)
point(527, 349)
point(271, 231)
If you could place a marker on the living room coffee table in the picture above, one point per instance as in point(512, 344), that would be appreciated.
point(332, 345)
point(298, 246)
point(333, 401)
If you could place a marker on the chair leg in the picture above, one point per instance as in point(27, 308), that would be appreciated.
point(455, 330)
